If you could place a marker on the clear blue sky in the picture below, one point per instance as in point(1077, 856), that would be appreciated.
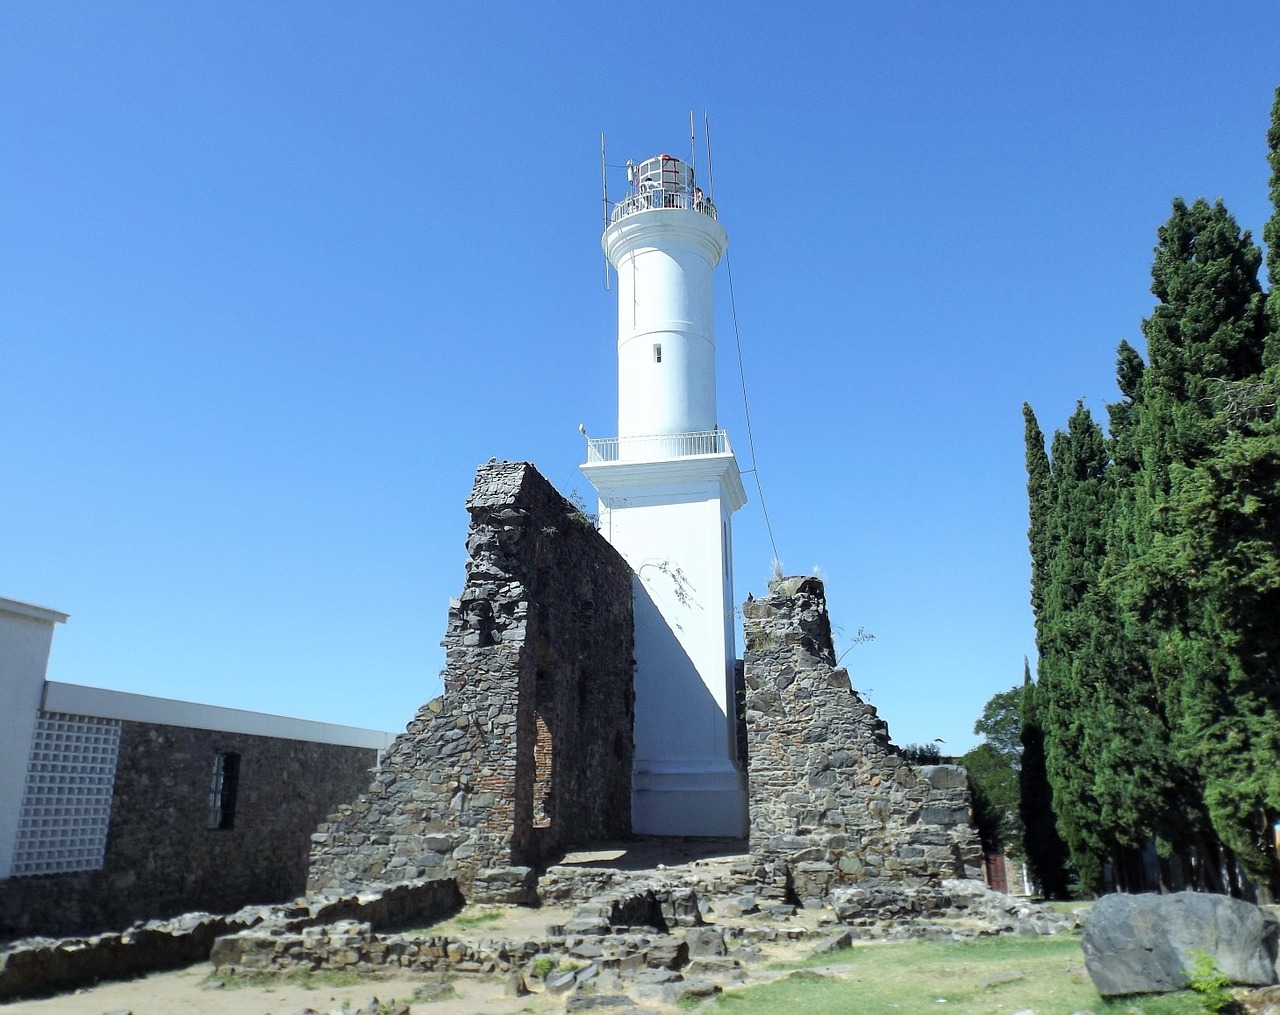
point(274, 279)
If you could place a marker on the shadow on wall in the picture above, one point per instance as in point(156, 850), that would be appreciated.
point(694, 727)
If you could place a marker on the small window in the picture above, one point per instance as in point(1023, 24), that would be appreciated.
point(222, 791)
point(657, 352)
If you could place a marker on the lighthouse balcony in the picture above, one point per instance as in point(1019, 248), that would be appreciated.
point(659, 197)
point(657, 447)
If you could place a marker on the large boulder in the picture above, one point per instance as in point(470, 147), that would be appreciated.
point(1146, 944)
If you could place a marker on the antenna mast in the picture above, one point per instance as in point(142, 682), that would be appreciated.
point(693, 145)
point(706, 133)
point(604, 200)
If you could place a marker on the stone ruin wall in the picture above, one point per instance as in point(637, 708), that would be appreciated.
point(530, 746)
point(833, 802)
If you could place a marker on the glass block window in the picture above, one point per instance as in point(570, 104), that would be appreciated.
point(66, 805)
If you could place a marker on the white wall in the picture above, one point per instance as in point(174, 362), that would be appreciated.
point(664, 261)
point(26, 635)
point(669, 520)
point(76, 699)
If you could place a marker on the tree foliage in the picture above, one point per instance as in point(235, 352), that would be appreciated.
point(999, 725)
point(1045, 852)
point(993, 774)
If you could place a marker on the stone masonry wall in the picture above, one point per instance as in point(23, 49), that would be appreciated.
point(162, 858)
point(833, 802)
point(530, 746)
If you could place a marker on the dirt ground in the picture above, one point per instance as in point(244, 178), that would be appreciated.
point(188, 991)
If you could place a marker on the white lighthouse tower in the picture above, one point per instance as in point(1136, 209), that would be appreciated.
point(668, 485)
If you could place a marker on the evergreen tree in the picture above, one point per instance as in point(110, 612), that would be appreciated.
point(1228, 507)
point(1271, 232)
point(1156, 576)
point(1143, 791)
point(1040, 507)
point(1045, 851)
point(1069, 667)
point(1186, 585)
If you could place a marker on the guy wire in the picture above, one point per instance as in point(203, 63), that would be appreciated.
point(746, 409)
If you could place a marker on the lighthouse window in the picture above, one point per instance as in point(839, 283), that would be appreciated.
point(657, 352)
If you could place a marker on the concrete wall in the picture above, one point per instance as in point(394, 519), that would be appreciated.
point(26, 634)
point(162, 857)
point(529, 748)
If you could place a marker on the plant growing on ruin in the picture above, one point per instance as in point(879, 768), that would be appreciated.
point(543, 966)
point(681, 587)
point(1211, 984)
point(580, 515)
point(861, 637)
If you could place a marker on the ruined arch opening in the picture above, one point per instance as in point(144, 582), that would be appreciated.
point(543, 750)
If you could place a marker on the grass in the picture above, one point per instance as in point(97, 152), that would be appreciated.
point(315, 979)
point(468, 919)
point(477, 920)
point(306, 978)
point(979, 977)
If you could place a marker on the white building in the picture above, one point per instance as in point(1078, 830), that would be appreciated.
point(668, 485)
point(116, 807)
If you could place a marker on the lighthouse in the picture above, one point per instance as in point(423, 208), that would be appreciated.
point(668, 486)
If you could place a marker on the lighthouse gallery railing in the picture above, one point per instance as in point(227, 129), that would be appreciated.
point(647, 198)
point(657, 447)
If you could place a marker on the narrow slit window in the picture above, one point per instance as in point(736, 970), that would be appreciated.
point(657, 352)
point(222, 791)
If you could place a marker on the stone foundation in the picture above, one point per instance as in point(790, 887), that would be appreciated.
point(42, 966)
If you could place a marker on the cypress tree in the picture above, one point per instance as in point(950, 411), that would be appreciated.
point(1144, 791)
point(1205, 341)
point(1045, 851)
point(1066, 698)
point(1271, 232)
point(1039, 509)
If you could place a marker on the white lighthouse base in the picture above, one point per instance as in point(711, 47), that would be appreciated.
point(687, 801)
point(670, 519)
